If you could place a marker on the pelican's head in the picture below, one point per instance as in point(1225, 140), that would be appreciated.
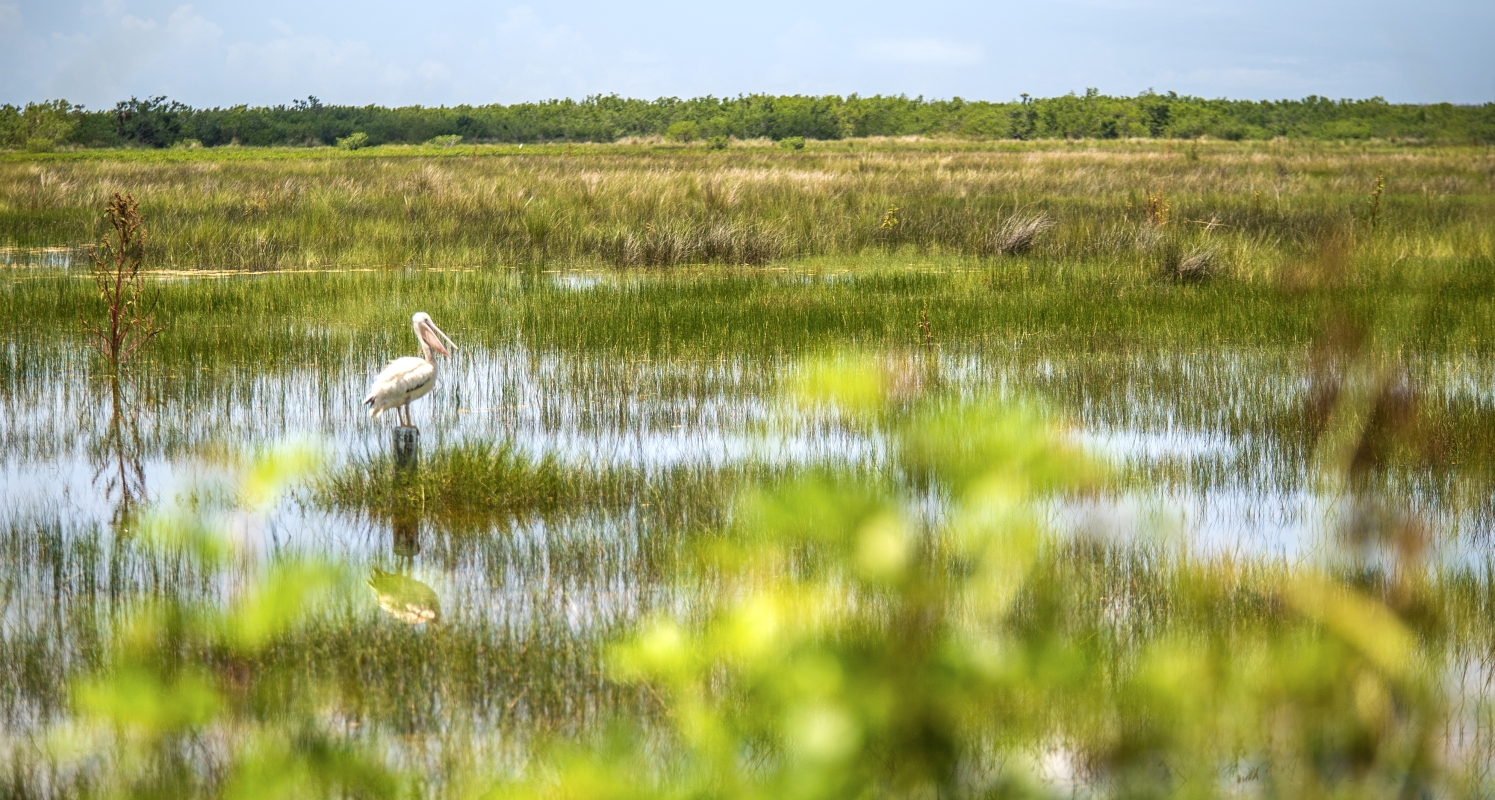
point(430, 335)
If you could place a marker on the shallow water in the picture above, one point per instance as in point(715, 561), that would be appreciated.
point(1243, 489)
point(41, 257)
point(1228, 474)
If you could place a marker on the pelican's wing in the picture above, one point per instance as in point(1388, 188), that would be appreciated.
point(402, 377)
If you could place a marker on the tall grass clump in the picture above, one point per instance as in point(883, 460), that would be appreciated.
point(464, 480)
point(1017, 235)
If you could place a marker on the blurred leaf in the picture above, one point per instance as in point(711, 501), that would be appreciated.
point(273, 472)
point(137, 697)
point(280, 600)
point(1358, 620)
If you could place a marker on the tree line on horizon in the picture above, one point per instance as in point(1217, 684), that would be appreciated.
point(158, 122)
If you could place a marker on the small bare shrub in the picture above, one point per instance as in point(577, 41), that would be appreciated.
point(129, 310)
point(1159, 207)
point(1376, 189)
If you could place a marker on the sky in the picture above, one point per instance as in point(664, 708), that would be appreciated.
point(447, 52)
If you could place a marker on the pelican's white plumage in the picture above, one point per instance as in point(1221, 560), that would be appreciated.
point(405, 379)
point(408, 378)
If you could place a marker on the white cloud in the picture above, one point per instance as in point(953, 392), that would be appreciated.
point(135, 25)
point(294, 58)
point(106, 8)
point(921, 52)
point(186, 27)
point(100, 64)
point(10, 17)
point(524, 23)
point(434, 71)
point(375, 51)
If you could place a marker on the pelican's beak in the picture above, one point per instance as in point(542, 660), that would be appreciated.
point(432, 336)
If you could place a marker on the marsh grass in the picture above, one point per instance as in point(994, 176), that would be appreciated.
point(627, 206)
point(1188, 267)
point(464, 480)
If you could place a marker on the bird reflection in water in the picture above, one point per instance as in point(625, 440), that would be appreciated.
point(401, 596)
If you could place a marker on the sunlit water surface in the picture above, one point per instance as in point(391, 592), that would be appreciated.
point(1201, 419)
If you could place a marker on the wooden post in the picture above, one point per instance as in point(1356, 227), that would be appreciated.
point(407, 447)
point(406, 515)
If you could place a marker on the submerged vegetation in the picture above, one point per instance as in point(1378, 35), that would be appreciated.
point(890, 469)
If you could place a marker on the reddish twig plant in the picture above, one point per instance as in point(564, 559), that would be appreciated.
point(130, 321)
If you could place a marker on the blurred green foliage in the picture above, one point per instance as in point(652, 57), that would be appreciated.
point(181, 672)
point(38, 127)
point(860, 645)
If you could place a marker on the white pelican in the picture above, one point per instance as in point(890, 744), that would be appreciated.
point(408, 378)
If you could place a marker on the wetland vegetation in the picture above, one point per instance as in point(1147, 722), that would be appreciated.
point(884, 468)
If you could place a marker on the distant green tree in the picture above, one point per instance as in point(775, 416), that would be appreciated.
point(354, 141)
point(683, 131)
point(53, 120)
point(153, 122)
point(38, 126)
point(12, 126)
point(156, 122)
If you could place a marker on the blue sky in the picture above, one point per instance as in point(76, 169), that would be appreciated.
point(464, 51)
